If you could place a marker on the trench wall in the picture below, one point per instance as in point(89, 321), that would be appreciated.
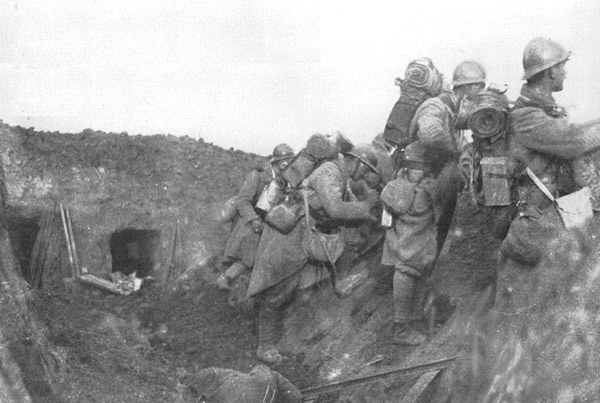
point(113, 182)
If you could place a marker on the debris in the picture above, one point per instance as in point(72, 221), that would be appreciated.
point(349, 283)
point(121, 284)
point(435, 366)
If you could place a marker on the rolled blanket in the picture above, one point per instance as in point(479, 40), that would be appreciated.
point(422, 80)
point(488, 114)
point(422, 74)
point(487, 123)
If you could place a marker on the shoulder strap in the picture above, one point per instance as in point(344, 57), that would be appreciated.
point(539, 184)
point(306, 212)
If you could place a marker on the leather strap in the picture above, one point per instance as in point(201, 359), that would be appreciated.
point(539, 184)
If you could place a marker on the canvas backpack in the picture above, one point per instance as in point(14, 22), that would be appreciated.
point(422, 81)
point(487, 160)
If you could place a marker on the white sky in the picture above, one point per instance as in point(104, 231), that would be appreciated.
point(250, 74)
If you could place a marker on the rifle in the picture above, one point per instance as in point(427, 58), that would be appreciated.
point(310, 394)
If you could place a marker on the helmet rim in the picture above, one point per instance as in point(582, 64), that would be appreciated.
point(541, 54)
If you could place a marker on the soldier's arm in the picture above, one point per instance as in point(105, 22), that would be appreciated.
point(553, 135)
point(287, 392)
point(246, 195)
point(431, 130)
point(328, 187)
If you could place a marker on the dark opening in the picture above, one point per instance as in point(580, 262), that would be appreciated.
point(134, 250)
point(23, 234)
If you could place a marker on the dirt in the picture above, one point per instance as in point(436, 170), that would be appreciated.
point(99, 347)
point(109, 348)
point(140, 348)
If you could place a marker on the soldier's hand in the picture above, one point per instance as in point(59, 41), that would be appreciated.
point(257, 225)
point(372, 219)
point(372, 199)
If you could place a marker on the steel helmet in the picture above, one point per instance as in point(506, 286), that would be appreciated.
point(541, 54)
point(365, 154)
point(282, 152)
point(468, 72)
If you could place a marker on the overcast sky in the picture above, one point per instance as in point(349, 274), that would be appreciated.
point(250, 74)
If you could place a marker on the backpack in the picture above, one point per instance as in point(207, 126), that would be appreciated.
point(301, 166)
point(488, 161)
point(491, 176)
point(318, 148)
point(422, 81)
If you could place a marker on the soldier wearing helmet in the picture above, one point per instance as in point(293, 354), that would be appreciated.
point(437, 127)
point(362, 159)
point(383, 149)
point(281, 259)
point(282, 152)
point(366, 167)
point(543, 141)
point(252, 204)
point(410, 245)
point(469, 75)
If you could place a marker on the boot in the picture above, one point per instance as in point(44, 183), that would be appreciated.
point(403, 289)
point(406, 334)
point(269, 355)
point(235, 270)
point(224, 281)
point(405, 331)
point(268, 320)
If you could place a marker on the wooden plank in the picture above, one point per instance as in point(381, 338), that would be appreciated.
point(103, 284)
point(419, 387)
point(433, 366)
point(39, 254)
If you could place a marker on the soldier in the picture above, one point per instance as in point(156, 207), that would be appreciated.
point(410, 244)
point(281, 257)
point(219, 385)
point(383, 149)
point(435, 126)
point(370, 180)
point(367, 236)
point(543, 141)
point(243, 241)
